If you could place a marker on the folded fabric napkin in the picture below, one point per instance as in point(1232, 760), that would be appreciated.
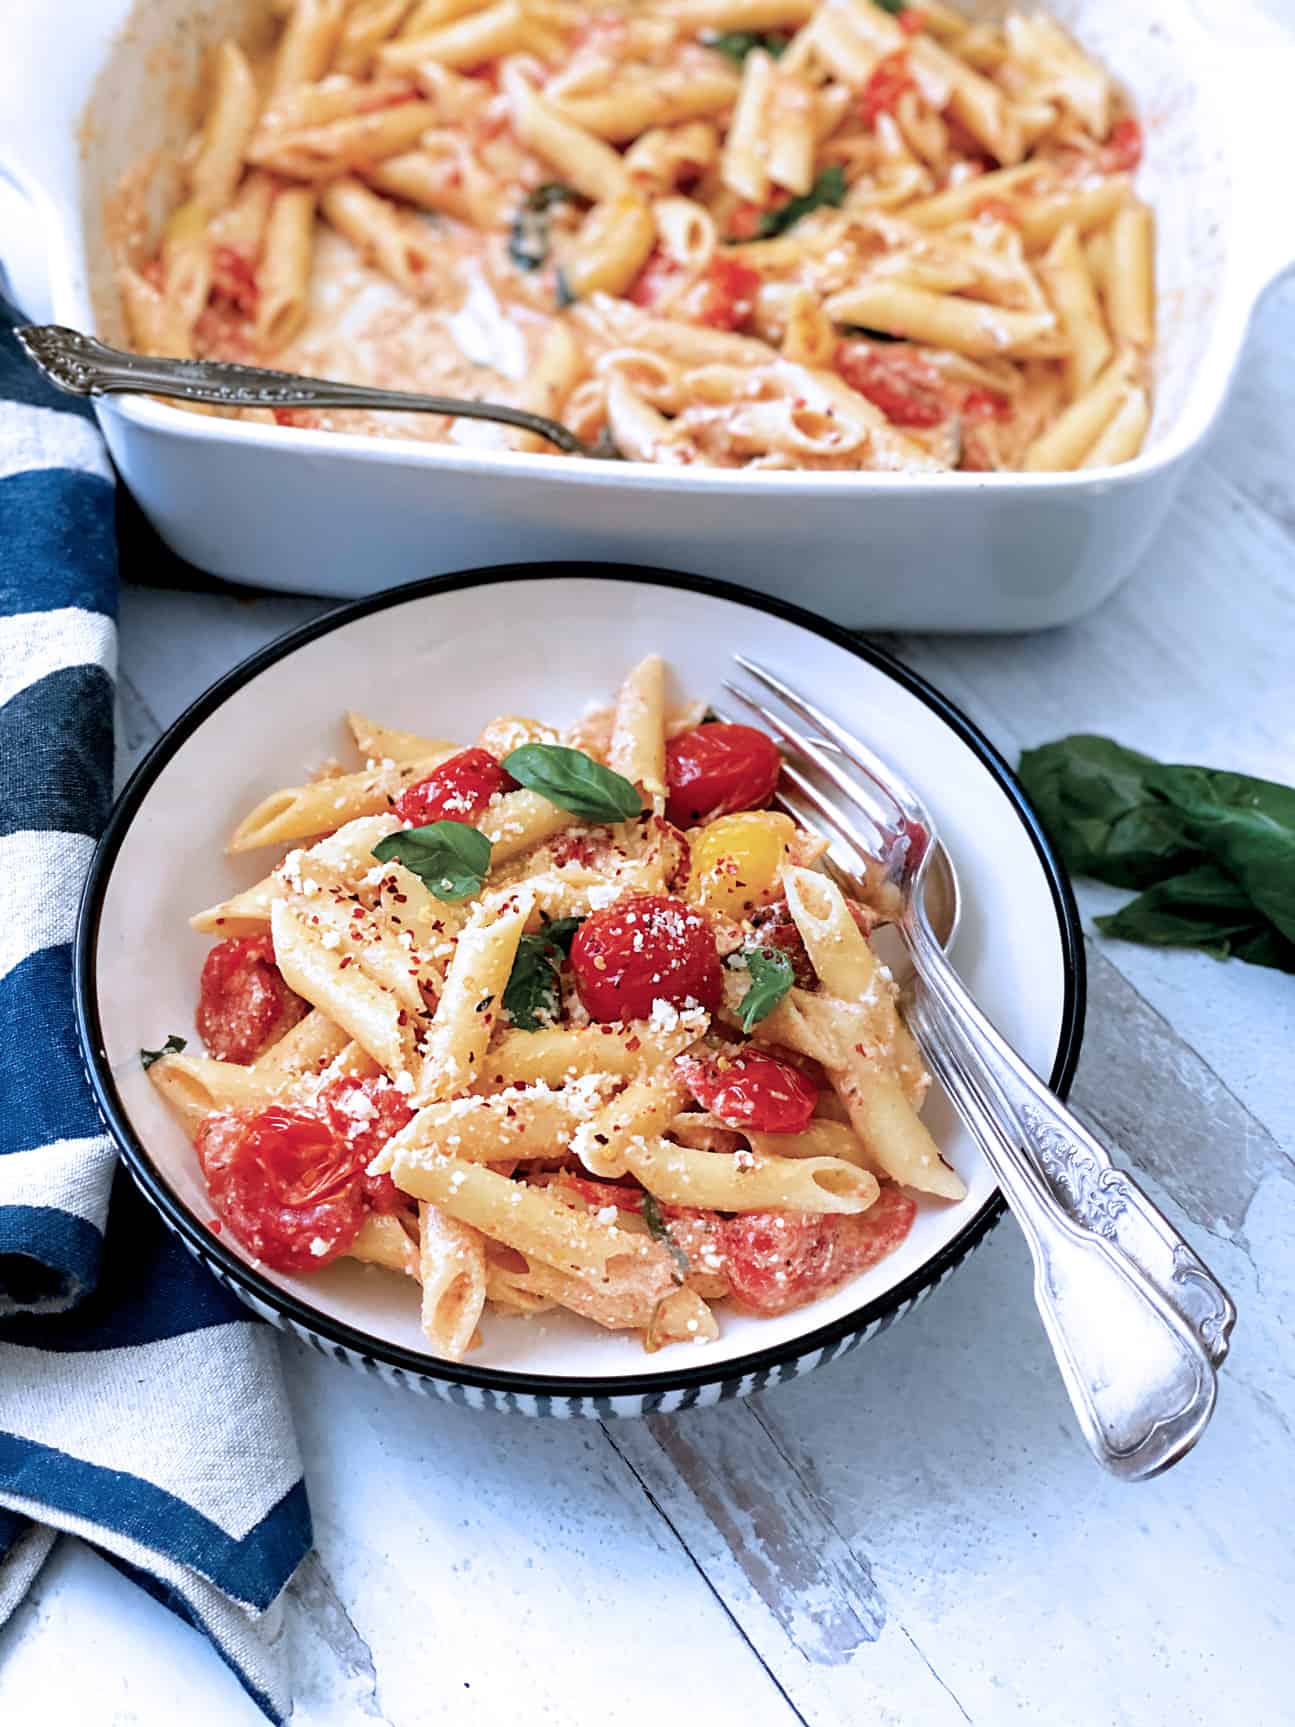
point(141, 1405)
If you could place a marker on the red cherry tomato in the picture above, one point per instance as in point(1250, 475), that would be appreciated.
point(644, 949)
point(728, 294)
point(1123, 149)
point(284, 1184)
point(654, 280)
point(458, 790)
point(752, 1089)
point(243, 1002)
point(777, 1261)
point(985, 405)
point(775, 927)
point(717, 770)
point(908, 391)
point(364, 1113)
point(912, 20)
point(890, 78)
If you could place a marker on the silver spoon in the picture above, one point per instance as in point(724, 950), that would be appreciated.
point(85, 366)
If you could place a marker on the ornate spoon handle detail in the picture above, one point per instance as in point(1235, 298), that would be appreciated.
point(1138, 1323)
point(85, 366)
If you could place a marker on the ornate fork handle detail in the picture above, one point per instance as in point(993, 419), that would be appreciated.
point(1138, 1322)
point(85, 366)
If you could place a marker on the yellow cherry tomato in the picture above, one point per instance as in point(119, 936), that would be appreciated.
point(736, 861)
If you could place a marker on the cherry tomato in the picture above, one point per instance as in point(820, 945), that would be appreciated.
point(775, 927)
point(728, 292)
point(776, 1261)
point(646, 948)
point(1123, 149)
point(234, 279)
point(752, 1089)
point(284, 1183)
point(890, 78)
point(985, 405)
point(654, 280)
point(718, 769)
point(908, 391)
point(363, 1114)
point(744, 221)
point(243, 1002)
point(597, 1194)
point(911, 20)
point(458, 790)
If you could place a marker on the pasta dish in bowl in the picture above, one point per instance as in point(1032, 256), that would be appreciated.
point(544, 1059)
point(772, 234)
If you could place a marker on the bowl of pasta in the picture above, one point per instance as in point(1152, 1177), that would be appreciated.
point(927, 306)
point(501, 1034)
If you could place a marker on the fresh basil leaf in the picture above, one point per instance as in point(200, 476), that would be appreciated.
point(528, 238)
point(772, 975)
point(894, 7)
point(450, 858)
point(828, 189)
point(737, 44)
point(561, 931)
point(562, 295)
point(575, 782)
point(172, 1046)
point(531, 996)
point(659, 1229)
point(1135, 822)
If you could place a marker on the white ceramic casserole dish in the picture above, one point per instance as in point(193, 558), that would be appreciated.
point(90, 88)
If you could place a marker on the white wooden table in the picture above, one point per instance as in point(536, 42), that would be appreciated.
point(915, 1535)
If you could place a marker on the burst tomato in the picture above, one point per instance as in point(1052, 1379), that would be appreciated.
point(646, 948)
point(727, 297)
point(890, 78)
point(717, 770)
point(985, 405)
point(775, 927)
point(364, 1113)
point(777, 1261)
point(908, 391)
point(243, 1002)
point(458, 790)
point(752, 1090)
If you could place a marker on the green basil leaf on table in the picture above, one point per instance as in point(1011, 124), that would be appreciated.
point(574, 781)
point(531, 996)
point(828, 189)
point(737, 44)
point(528, 238)
point(772, 976)
point(172, 1046)
point(451, 858)
point(659, 1229)
point(1217, 849)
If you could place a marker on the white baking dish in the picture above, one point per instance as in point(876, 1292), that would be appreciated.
point(88, 88)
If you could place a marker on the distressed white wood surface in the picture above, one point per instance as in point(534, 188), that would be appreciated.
point(916, 1535)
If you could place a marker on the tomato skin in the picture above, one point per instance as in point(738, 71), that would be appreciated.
point(233, 277)
point(644, 949)
point(908, 391)
point(1122, 152)
point(718, 770)
point(812, 1255)
point(728, 294)
point(458, 790)
point(890, 78)
point(291, 1182)
point(243, 1002)
point(652, 282)
point(986, 405)
point(752, 1090)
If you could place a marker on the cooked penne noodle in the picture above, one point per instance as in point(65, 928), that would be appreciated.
point(637, 749)
point(611, 248)
point(284, 275)
point(299, 812)
point(230, 120)
point(345, 145)
point(384, 1241)
point(966, 326)
point(452, 1271)
point(656, 99)
point(1122, 438)
point(1070, 437)
point(1130, 293)
point(681, 1175)
point(307, 45)
point(1064, 271)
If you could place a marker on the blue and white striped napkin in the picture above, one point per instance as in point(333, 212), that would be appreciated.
point(141, 1406)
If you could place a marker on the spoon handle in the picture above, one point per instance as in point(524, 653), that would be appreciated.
point(85, 366)
point(1138, 1323)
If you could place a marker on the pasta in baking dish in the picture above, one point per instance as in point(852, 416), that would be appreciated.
point(833, 234)
point(552, 1021)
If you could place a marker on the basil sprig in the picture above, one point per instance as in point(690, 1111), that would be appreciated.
point(828, 189)
point(450, 858)
point(1213, 852)
point(772, 975)
point(660, 1231)
point(528, 238)
point(574, 781)
point(735, 45)
point(531, 997)
point(894, 7)
point(172, 1046)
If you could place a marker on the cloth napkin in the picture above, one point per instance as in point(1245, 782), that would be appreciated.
point(141, 1405)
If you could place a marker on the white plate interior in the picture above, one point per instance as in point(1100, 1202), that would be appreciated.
point(444, 664)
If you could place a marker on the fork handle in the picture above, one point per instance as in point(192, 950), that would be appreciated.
point(1138, 1323)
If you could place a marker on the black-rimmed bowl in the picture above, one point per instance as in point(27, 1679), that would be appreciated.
point(442, 657)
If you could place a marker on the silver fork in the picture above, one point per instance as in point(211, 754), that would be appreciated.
point(1138, 1323)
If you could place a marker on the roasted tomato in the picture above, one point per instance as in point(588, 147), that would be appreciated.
point(752, 1090)
point(775, 927)
point(727, 294)
point(458, 790)
point(908, 390)
point(776, 1261)
point(717, 769)
point(646, 948)
point(890, 78)
point(1122, 151)
point(654, 280)
point(243, 1002)
point(364, 1113)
